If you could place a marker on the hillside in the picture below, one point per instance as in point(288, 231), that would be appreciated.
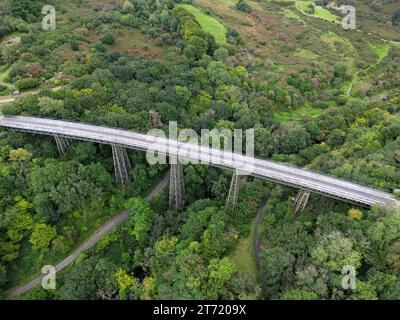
point(316, 95)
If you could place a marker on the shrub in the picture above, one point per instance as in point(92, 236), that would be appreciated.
point(9, 110)
point(26, 84)
point(108, 38)
point(355, 214)
point(2, 88)
point(242, 5)
point(396, 18)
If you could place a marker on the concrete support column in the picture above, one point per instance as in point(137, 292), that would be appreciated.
point(122, 166)
point(62, 144)
point(301, 200)
point(176, 187)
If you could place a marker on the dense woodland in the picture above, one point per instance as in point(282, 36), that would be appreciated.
point(50, 204)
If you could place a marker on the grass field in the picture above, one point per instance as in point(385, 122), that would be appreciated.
point(320, 12)
point(243, 255)
point(208, 23)
point(290, 14)
point(135, 43)
point(4, 71)
point(298, 114)
point(381, 51)
point(307, 54)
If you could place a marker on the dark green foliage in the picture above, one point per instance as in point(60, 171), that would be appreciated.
point(90, 279)
point(26, 9)
point(27, 84)
point(50, 204)
point(107, 38)
point(242, 5)
point(396, 18)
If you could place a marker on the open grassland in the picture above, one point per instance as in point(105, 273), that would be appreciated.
point(319, 12)
point(5, 87)
point(376, 22)
point(208, 23)
point(263, 30)
point(298, 115)
point(243, 255)
point(381, 51)
point(4, 71)
point(135, 43)
point(278, 31)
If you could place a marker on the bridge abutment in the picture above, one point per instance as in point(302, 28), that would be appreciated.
point(301, 200)
point(176, 187)
point(62, 144)
point(122, 166)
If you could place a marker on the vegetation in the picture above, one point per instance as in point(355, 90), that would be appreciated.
point(208, 23)
point(205, 64)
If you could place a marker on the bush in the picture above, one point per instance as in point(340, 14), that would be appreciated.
point(396, 18)
point(2, 88)
point(108, 38)
point(9, 110)
point(321, 104)
point(26, 84)
point(74, 45)
point(242, 5)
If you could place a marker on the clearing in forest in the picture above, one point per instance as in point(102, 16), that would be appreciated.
point(135, 43)
point(4, 71)
point(208, 23)
point(318, 11)
point(243, 255)
point(298, 115)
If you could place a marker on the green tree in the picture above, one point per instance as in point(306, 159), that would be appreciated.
point(291, 139)
point(396, 18)
point(141, 218)
point(91, 278)
point(334, 251)
point(41, 236)
point(276, 264)
point(128, 285)
point(384, 234)
point(108, 38)
point(298, 294)
point(3, 276)
point(221, 272)
point(242, 5)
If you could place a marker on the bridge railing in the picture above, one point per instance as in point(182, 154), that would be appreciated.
point(361, 183)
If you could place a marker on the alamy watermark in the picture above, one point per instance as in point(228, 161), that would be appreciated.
point(217, 146)
point(349, 279)
point(49, 278)
point(349, 21)
point(49, 20)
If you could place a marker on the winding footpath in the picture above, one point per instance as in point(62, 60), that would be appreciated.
point(105, 229)
point(4, 100)
point(256, 241)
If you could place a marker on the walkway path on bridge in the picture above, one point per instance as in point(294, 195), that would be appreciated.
point(305, 179)
point(106, 228)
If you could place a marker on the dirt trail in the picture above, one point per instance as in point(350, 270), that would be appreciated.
point(257, 245)
point(106, 228)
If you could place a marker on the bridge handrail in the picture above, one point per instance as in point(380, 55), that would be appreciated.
point(256, 157)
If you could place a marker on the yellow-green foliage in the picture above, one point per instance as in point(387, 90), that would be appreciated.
point(355, 214)
point(207, 23)
point(188, 25)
